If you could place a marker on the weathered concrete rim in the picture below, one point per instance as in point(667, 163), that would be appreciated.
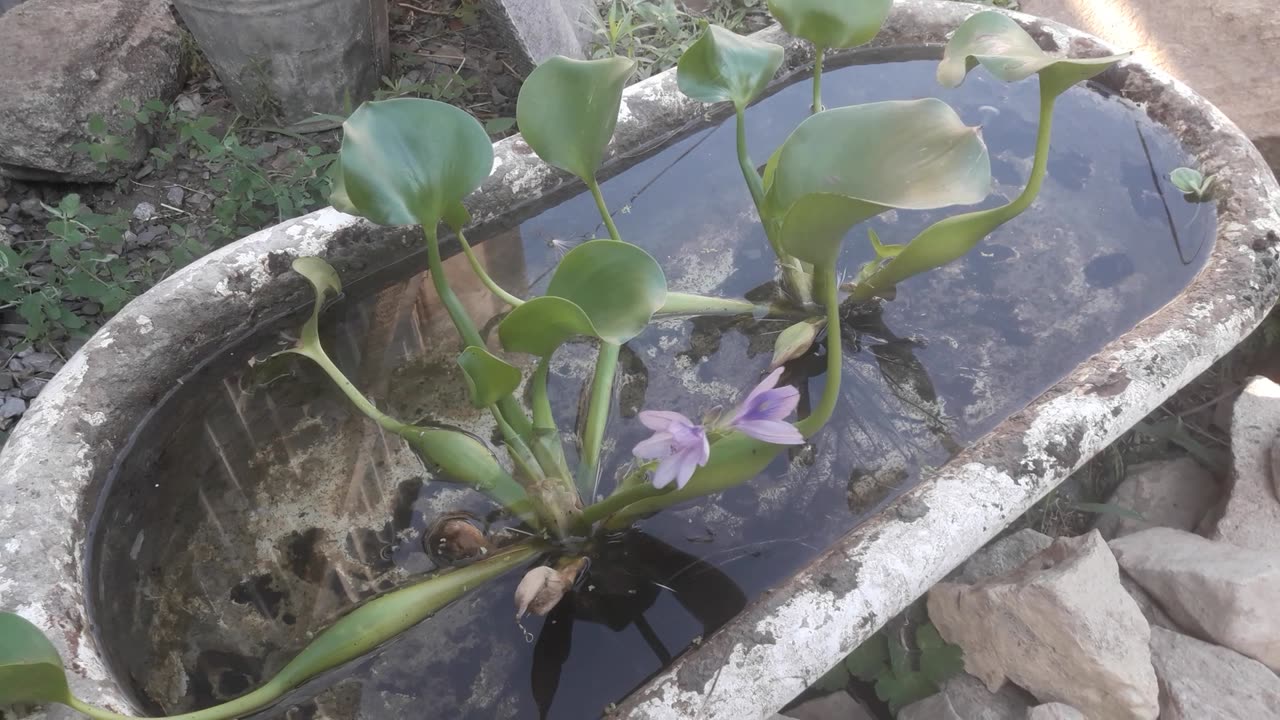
point(55, 466)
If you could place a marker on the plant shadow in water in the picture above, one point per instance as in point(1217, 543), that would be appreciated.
point(628, 573)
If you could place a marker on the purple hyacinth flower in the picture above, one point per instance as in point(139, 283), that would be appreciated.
point(679, 446)
point(761, 414)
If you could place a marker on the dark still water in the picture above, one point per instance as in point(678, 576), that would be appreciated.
point(247, 517)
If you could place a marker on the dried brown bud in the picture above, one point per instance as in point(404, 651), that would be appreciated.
point(540, 590)
point(456, 538)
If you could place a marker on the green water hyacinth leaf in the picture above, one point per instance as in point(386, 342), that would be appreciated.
point(542, 324)
point(338, 190)
point(1000, 45)
point(30, 668)
point(603, 289)
point(617, 284)
point(489, 378)
point(832, 23)
point(842, 166)
point(723, 65)
point(408, 160)
point(567, 110)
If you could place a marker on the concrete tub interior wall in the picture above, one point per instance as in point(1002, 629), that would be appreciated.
point(53, 468)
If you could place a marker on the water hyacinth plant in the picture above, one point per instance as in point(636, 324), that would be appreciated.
point(413, 162)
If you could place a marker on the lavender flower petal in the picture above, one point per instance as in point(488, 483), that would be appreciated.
point(654, 447)
point(771, 431)
point(662, 420)
point(773, 404)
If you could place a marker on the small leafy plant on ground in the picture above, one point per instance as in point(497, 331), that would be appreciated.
point(903, 665)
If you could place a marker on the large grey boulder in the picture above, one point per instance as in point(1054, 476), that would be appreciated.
point(964, 697)
point(1166, 493)
point(66, 60)
point(1061, 626)
point(1226, 594)
point(1200, 681)
point(1250, 518)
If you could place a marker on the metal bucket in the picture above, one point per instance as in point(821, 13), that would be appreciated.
point(290, 59)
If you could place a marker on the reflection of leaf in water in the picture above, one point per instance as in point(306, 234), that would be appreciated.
point(550, 654)
point(626, 577)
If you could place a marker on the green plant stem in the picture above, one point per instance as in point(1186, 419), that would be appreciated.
point(317, 355)
point(354, 635)
point(976, 225)
point(479, 270)
point(508, 407)
point(597, 418)
point(546, 443)
point(520, 453)
point(754, 184)
point(679, 303)
point(793, 277)
point(615, 502)
point(831, 391)
point(604, 209)
point(543, 419)
point(817, 81)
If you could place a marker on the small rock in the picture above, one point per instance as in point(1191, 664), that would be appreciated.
point(1212, 589)
point(836, 706)
point(144, 211)
point(18, 367)
point(175, 196)
point(1055, 711)
point(189, 103)
point(6, 381)
point(964, 697)
point(31, 208)
point(12, 407)
point(32, 387)
point(1199, 681)
point(1166, 493)
point(4, 204)
point(1250, 517)
point(1061, 626)
point(1003, 555)
point(39, 361)
point(90, 308)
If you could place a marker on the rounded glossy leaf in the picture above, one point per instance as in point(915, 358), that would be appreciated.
point(568, 108)
point(914, 155)
point(617, 284)
point(543, 324)
point(998, 43)
point(405, 161)
point(30, 669)
point(338, 190)
point(489, 379)
point(911, 154)
point(723, 65)
point(832, 23)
